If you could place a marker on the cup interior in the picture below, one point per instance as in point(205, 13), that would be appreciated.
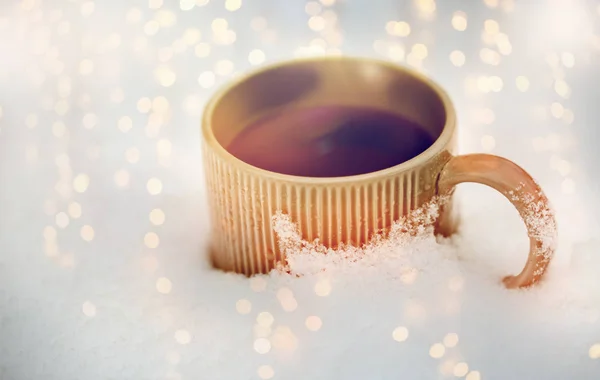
point(327, 82)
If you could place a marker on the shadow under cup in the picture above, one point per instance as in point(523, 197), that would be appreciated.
point(337, 209)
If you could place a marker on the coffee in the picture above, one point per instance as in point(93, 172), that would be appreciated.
point(329, 141)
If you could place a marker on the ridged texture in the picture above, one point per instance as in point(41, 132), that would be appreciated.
point(242, 204)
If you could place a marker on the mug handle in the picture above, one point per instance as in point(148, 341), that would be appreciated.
point(523, 192)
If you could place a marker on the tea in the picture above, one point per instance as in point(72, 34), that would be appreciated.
point(329, 141)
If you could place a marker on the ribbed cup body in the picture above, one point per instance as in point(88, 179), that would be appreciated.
point(349, 210)
point(243, 203)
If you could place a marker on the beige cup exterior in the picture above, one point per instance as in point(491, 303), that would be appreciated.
point(346, 210)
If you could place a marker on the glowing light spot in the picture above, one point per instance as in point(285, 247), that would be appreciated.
point(287, 300)
point(154, 186)
point(284, 339)
point(202, 50)
point(88, 309)
point(557, 110)
point(86, 67)
point(59, 129)
point(155, 4)
point(27, 5)
point(568, 60)
point(157, 217)
point(483, 84)
point(219, 25)
point(457, 58)
point(489, 56)
point(233, 5)
point(192, 36)
point(87, 8)
point(183, 337)
point(316, 23)
point(495, 83)
point(562, 88)
point(313, 323)
point(224, 67)
point(31, 121)
point(459, 21)
point(258, 284)
point(125, 124)
point(265, 319)
point(207, 79)
point(122, 178)
point(81, 183)
point(164, 285)
point(447, 367)
point(437, 351)
point(144, 105)
point(323, 288)
point(51, 249)
point(265, 372)
point(594, 351)
point(165, 76)
point(186, 5)
point(151, 27)
point(163, 147)
point(87, 233)
point(243, 306)
point(165, 18)
point(132, 155)
point(491, 26)
point(49, 233)
point(460, 369)
point(398, 28)
point(400, 334)
point(258, 23)
point(61, 107)
point(473, 375)
point(568, 116)
point(419, 51)
point(396, 53)
point(151, 240)
point(117, 95)
point(312, 8)
point(256, 57)
point(488, 142)
point(451, 340)
point(426, 8)
point(262, 345)
point(504, 45)
point(522, 83)
point(134, 15)
point(160, 104)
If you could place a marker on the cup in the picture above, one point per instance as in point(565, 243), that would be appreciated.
point(349, 209)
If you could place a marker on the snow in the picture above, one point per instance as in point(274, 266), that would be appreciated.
point(104, 223)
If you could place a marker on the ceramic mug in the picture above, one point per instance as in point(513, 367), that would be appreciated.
point(349, 209)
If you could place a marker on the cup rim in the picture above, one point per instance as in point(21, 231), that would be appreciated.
point(438, 145)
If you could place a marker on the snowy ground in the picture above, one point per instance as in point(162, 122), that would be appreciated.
point(103, 221)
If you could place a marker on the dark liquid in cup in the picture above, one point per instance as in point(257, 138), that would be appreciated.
point(330, 141)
